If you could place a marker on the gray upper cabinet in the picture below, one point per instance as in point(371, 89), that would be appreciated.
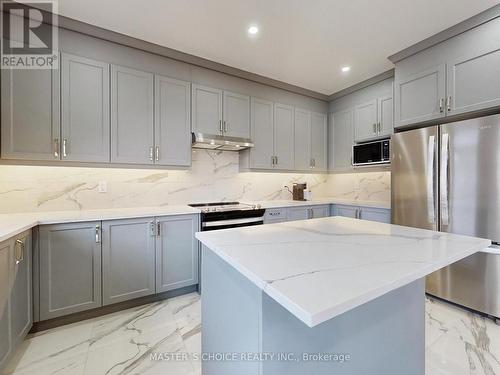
point(284, 140)
point(342, 139)
point(128, 259)
point(70, 268)
point(30, 127)
point(172, 121)
point(207, 110)
point(176, 252)
point(473, 82)
point(6, 270)
point(131, 116)
point(365, 121)
point(21, 305)
point(385, 115)
point(84, 109)
point(420, 96)
point(302, 126)
point(319, 141)
point(262, 134)
point(236, 115)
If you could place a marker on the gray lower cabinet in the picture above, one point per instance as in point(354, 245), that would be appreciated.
point(21, 302)
point(30, 127)
point(320, 211)
point(172, 121)
point(346, 211)
point(177, 252)
point(128, 259)
point(132, 127)
point(70, 268)
point(420, 96)
point(341, 157)
point(365, 213)
point(84, 109)
point(6, 270)
point(275, 215)
point(308, 212)
point(298, 213)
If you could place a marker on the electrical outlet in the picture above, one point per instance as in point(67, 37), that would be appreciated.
point(102, 187)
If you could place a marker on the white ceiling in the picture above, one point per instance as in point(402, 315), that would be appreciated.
point(301, 42)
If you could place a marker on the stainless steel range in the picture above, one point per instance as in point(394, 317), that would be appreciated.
point(223, 215)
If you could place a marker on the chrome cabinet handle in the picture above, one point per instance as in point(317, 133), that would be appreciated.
point(314, 163)
point(221, 129)
point(374, 128)
point(98, 234)
point(19, 251)
point(275, 160)
point(441, 105)
point(152, 228)
point(157, 153)
point(65, 141)
point(272, 160)
point(225, 127)
point(379, 128)
point(448, 103)
point(56, 148)
point(158, 229)
point(151, 153)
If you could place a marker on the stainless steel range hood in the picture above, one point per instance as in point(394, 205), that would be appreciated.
point(219, 142)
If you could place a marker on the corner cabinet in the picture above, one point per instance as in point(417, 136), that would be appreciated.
point(342, 130)
point(177, 252)
point(30, 128)
point(131, 116)
point(128, 259)
point(84, 109)
point(70, 268)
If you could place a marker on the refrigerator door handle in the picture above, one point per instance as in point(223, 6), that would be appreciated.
point(431, 209)
point(445, 165)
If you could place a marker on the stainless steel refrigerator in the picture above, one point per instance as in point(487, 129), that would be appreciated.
point(447, 178)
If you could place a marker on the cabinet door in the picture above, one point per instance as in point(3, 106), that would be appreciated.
point(131, 116)
point(85, 109)
point(283, 136)
point(302, 126)
point(365, 121)
point(128, 259)
point(262, 133)
point(375, 214)
point(320, 211)
point(419, 97)
point(342, 139)
point(346, 211)
point(70, 268)
point(172, 121)
point(21, 309)
point(298, 213)
point(207, 110)
point(6, 259)
point(30, 114)
point(385, 116)
point(236, 115)
point(176, 252)
point(319, 139)
point(473, 82)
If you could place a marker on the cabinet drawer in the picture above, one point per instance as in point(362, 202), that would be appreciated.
point(275, 215)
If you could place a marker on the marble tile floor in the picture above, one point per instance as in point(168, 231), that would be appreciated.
point(457, 342)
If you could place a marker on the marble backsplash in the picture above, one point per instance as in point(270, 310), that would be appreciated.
point(214, 176)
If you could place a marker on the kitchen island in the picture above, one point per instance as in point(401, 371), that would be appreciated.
point(324, 296)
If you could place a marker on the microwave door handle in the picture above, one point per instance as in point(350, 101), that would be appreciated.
point(443, 178)
point(431, 151)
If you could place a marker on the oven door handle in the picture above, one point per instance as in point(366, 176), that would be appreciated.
point(219, 223)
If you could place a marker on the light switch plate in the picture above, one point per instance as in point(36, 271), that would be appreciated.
point(102, 187)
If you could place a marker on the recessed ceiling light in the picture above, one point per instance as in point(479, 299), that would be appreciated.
point(345, 69)
point(252, 30)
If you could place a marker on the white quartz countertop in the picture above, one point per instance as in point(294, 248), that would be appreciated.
point(13, 224)
point(318, 269)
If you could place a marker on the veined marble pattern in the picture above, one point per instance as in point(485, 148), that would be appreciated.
point(213, 176)
point(458, 342)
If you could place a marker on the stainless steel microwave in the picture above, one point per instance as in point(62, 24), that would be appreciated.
point(369, 153)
